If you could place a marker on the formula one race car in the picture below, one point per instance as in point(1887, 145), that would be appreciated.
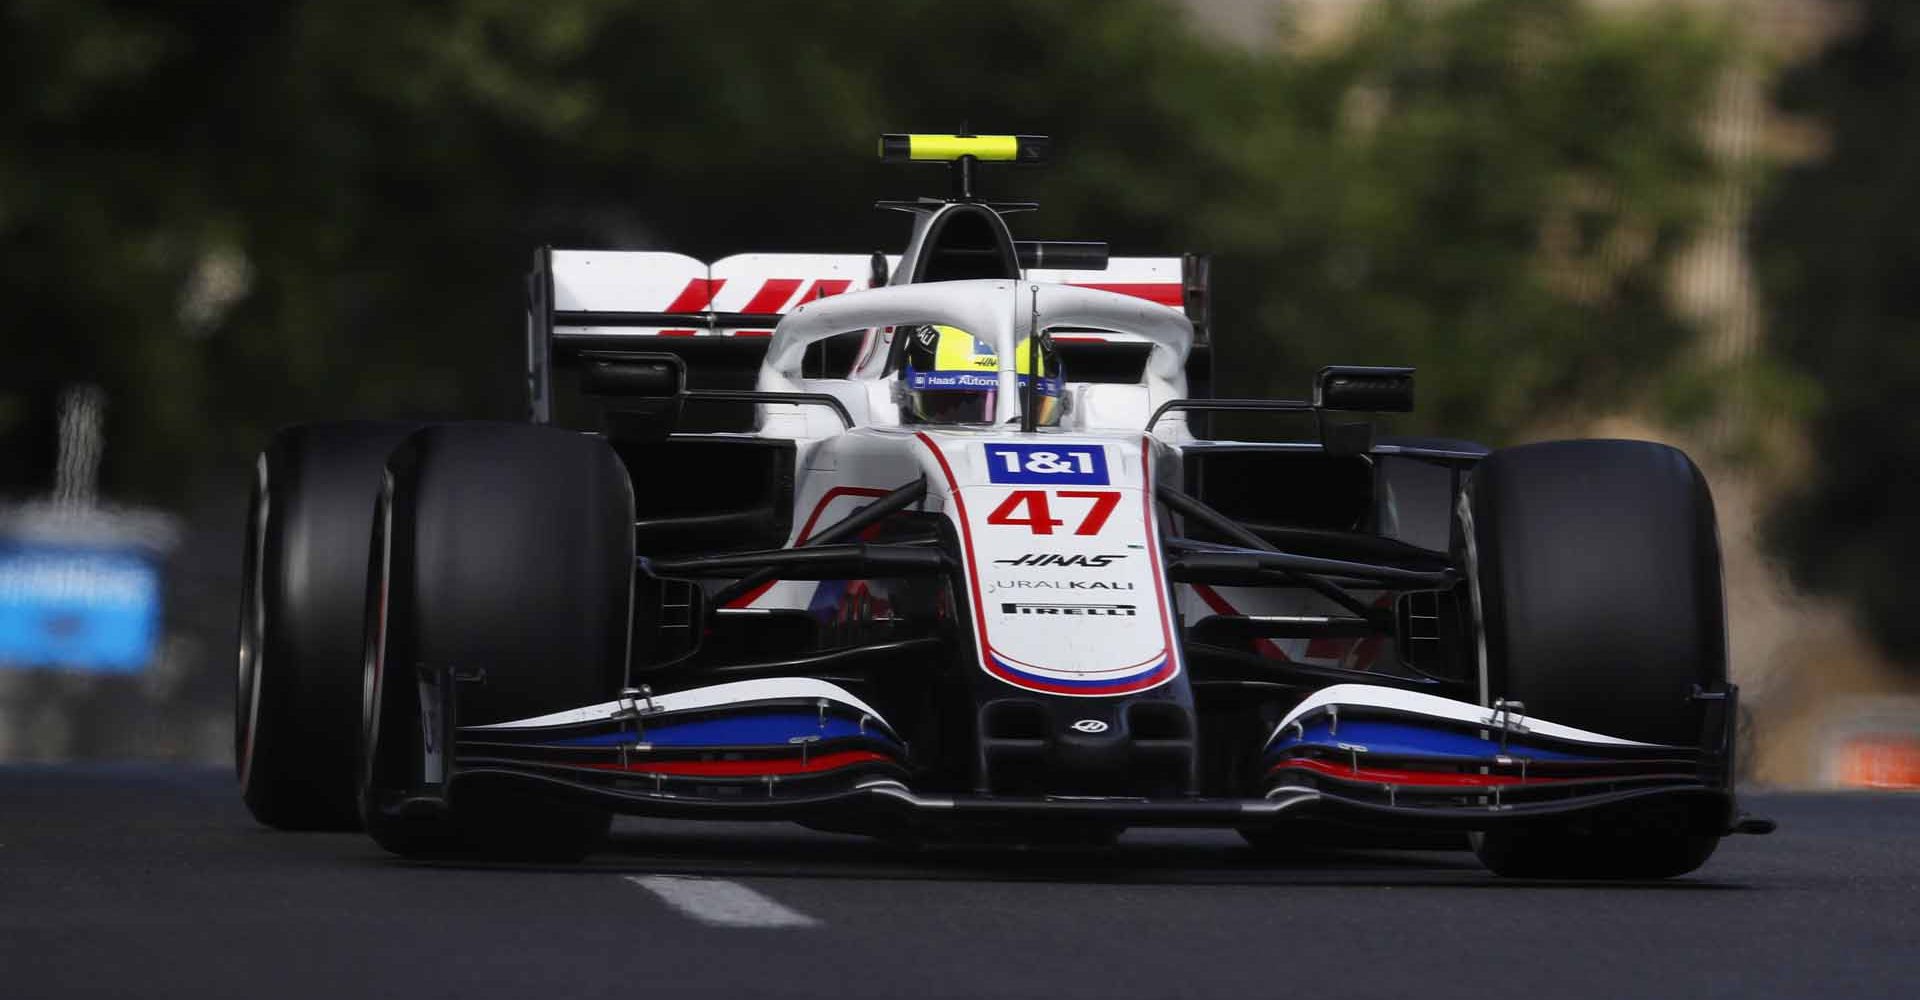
point(933, 545)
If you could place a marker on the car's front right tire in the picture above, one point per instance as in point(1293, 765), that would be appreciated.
point(1595, 568)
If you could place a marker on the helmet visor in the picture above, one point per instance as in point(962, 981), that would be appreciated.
point(1046, 409)
point(952, 407)
point(968, 397)
point(951, 397)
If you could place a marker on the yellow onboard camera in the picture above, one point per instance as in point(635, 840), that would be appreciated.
point(919, 148)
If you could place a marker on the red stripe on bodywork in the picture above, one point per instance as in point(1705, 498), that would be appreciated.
point(773, 294)
point(746, 600)
point(966, 539)
point(1153, 548)
point(1219, 606)
point(1398, 776)
point(806, 531)
point(1167, 293)
point(697, 296)
point(1214, 601)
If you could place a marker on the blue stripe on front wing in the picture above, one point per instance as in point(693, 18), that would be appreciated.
point(764, 729)
point(1400, 738)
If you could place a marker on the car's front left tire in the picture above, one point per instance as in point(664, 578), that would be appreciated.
point(503, 552)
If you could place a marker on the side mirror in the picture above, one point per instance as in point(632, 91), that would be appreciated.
point(641, 395)
point(633, 376)
point(1061, 254)
point(1369, 390)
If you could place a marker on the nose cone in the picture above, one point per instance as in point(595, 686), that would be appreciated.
point(1077, 746)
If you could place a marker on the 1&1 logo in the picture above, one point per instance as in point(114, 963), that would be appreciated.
point(1045, 464)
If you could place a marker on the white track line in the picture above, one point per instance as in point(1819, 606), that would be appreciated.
point(720, 903)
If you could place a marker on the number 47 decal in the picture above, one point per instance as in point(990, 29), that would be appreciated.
point(1038, 512)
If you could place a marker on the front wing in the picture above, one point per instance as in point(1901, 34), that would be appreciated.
point(806, 749)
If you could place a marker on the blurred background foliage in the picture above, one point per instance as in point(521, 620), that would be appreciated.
point(1839, 242)
point(237, 216)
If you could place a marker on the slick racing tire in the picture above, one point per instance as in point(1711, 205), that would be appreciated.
point(303, 586)
point(1595, 568)
point(504, 553)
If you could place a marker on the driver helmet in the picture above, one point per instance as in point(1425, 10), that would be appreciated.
point(952, 377)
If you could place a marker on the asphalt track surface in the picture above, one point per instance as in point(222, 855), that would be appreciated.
point(147, 882)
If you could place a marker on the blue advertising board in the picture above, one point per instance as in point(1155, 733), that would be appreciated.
point(77, 608)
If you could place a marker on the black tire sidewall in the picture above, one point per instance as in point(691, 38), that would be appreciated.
point(508, 554)
point(297, 699)
point(1597, 583)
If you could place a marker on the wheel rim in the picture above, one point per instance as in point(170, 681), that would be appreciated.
point(1463, 508)
point(373, 659)
point(253, 613)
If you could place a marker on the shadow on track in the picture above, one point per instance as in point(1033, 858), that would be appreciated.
point(1144, 857)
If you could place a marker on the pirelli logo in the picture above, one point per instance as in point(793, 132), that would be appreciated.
point(1071, 610)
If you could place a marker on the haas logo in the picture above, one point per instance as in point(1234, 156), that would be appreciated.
point(1055, 559)
point(1090, 726)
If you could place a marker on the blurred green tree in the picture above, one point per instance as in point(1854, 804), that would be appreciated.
point(1839, 243)
point(235, 216)
point(1493, 191)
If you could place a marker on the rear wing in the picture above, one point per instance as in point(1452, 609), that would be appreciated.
point(717, 317)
